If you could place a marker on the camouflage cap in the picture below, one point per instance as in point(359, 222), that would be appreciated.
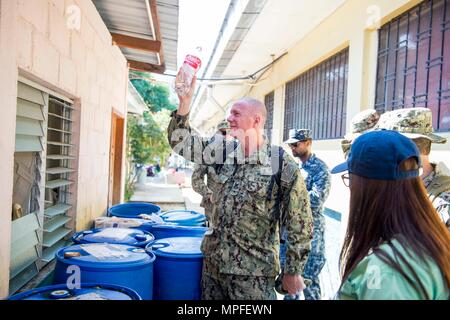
point(362, 122)
point(223, 125)
point(296, 135)
point(411, 122)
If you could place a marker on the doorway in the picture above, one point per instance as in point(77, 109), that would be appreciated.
point(115, 159)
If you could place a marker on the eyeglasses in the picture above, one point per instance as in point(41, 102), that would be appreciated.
point(346, 179)
point(295, 144)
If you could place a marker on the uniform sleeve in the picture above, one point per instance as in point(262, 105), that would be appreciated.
point(185, 142)
point(198, 180)
point(298, 218)
point(442, 206)
point(320, 188)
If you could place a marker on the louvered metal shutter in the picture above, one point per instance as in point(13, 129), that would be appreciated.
point(25, 238)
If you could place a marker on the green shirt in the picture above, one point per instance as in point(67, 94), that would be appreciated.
point(373, 279)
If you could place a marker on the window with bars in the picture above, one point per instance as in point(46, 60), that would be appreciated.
point(317, 99)
point(414, 62)
point(42, 178)
point(58, 176)
point(269, 102)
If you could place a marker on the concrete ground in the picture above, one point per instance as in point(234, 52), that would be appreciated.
point(163, 191)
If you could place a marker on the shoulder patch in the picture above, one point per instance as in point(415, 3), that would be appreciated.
point(288, 172)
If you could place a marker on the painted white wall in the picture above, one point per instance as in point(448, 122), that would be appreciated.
point(40, 40)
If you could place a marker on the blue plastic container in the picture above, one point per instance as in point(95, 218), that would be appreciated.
point(133, 209)
point(87, 291)
point(131, 237)
point(115, 264)
point(168, 230)
point(184, 217)
point(178, 268)
point(116, 222)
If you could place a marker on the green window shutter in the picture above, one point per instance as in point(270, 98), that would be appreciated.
point(24, 253)
point(30, 118)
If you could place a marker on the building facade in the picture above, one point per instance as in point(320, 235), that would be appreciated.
point(64, 96)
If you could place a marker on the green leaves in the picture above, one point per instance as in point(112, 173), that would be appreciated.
point(155, 95)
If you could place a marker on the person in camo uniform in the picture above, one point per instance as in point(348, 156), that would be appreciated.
point(417, 124)
point(362, 122)
point(241, 251)
point(318, 183)
point(206, 190)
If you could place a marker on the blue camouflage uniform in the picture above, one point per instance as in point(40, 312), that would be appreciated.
point(318, 183)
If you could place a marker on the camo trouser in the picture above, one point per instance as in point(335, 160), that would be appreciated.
point(219, 286)
point(314, 264)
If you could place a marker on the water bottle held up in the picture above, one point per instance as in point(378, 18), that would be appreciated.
point(186, 73)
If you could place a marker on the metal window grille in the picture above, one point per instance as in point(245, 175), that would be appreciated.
point(414, 62)
point(317, 99)
point(269, 102)
point(58, 176)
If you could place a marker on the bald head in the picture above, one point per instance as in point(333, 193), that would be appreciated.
point(253, 108)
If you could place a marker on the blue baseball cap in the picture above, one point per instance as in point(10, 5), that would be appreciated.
point(378, 155)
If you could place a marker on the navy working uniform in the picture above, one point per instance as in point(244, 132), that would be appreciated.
point(318, 183)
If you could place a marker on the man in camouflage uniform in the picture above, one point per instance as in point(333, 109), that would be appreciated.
point(318, 182)
point(241, 252)
point(417, 124)
point(206, 190)
point(362, 122)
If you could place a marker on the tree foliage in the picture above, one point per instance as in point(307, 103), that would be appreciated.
point(155, 95)
point(147, 138)
point(147, 135)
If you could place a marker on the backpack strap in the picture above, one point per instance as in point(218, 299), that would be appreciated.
point(219, 166)
point(438, 185)
point(277, 167)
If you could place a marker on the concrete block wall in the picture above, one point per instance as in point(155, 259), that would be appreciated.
point(38, 42)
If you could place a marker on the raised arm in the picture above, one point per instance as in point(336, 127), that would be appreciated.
point(186, 142)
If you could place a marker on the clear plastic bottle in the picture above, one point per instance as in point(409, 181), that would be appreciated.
point(186, 73)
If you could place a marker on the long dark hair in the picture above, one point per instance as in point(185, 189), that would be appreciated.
point(383, 210)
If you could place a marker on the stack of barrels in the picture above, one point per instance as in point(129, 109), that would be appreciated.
point(150, 260)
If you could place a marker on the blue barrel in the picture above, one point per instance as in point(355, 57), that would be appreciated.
point(131, 237)
point(106, 263)
point(169, 230)
point(87, 291)
point(116, 222)
point(133, 209)
point(184, 217)
point(178, 268)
